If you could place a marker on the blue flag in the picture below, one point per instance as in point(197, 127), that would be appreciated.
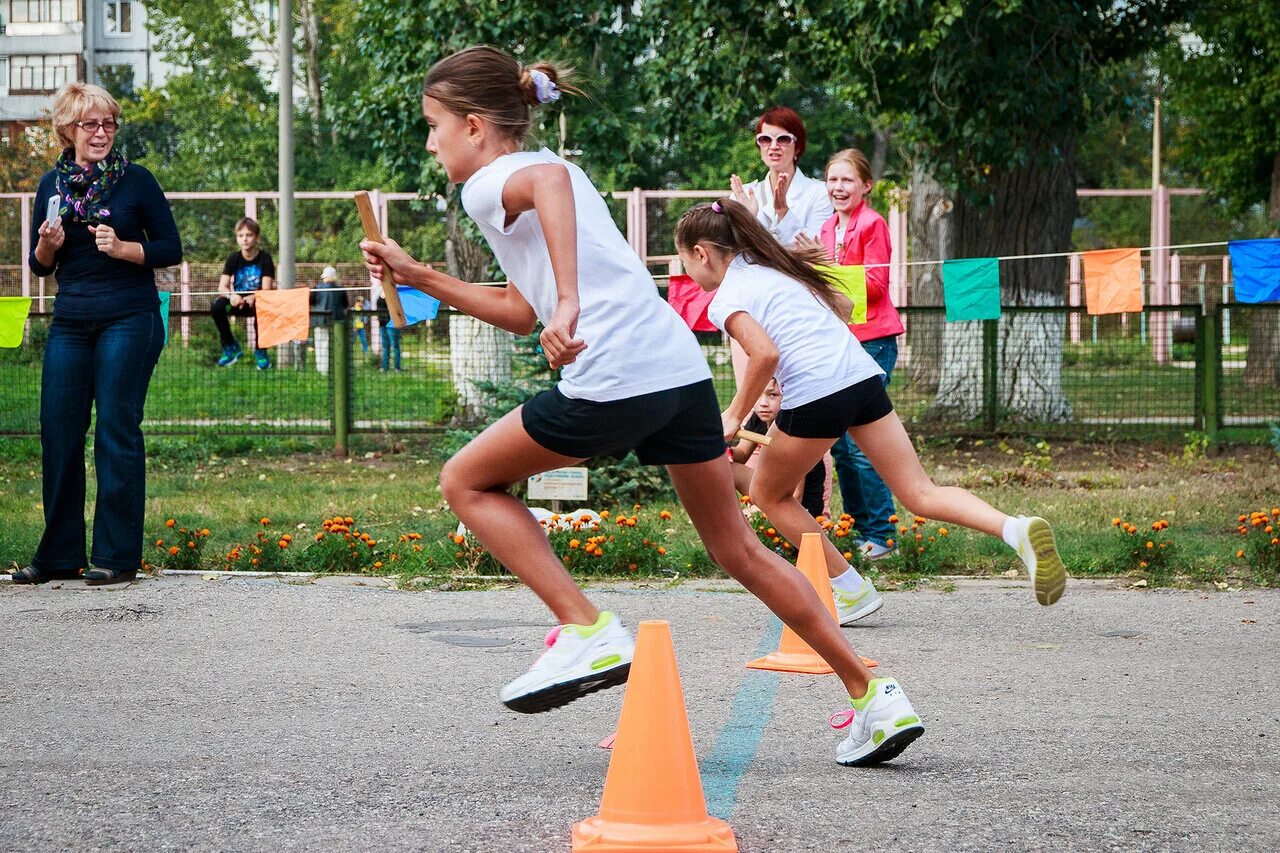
point(1255, 266)
point(417, 305)
point(164, 313)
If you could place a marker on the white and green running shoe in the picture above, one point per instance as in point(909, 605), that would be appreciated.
point(852, 606)
point(579, 659)
point(881, 725)
point(1039, 552)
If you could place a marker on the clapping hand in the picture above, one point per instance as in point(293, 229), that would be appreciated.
point(742, 195)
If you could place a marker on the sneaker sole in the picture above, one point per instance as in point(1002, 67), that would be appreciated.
point(860, 614)
point(1051, 575)
point(558, 695)
point(889, 749)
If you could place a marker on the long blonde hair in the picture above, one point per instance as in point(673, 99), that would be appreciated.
point(728, 225)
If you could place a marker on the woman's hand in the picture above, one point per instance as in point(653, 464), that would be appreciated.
point(780, 195)
point(730, 424)
point(104, 237)
point(742, 195)
point(557, 339)
point(381, 257)
point(51, 237)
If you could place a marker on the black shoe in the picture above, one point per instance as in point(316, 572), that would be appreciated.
point(32, 575)
point(98, 576)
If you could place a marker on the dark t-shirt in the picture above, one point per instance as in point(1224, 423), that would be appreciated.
point(246, 276)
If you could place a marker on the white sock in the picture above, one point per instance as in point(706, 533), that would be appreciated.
point(1010, 532)
point(850, 581)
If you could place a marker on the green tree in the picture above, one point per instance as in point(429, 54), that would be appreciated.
point(1224, 82)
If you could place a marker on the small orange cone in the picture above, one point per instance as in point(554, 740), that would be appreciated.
point(794, 654)
point(653, 796)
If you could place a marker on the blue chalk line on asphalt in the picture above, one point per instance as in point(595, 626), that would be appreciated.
point(735, 747)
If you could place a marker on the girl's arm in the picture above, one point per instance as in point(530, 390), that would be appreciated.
point(762, 361)
point(503, 307)
point(548, 190)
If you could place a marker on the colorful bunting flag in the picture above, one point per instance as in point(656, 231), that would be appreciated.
point(690, 301)
point(418, 306)
point(852, 282)
point(164, 314)
point(1255, 267)
point(1113, 281)
point(971, 289)
point(283, 315)
point(13, 319)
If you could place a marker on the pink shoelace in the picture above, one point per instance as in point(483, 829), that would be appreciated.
point(549, 641)
point(841, 719)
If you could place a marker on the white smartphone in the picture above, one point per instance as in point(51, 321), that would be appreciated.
point(51, 214)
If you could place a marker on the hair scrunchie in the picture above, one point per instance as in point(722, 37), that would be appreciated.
point(544, 87)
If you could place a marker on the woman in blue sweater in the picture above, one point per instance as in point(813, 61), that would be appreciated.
point(115, 228)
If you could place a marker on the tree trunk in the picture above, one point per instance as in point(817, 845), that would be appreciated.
point(309, 18)
point(1029, 210)
point(880, 152)
point(1262, 358)
point(930, 232)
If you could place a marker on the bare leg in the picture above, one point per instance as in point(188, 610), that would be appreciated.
point(773, 490)
point(890, 450)
point(706, 490)
point(475, 483)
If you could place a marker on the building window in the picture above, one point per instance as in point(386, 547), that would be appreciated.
point(41, 74)
point(119, 17)
point(44, 11)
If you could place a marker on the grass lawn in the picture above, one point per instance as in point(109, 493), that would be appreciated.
point(228, 484)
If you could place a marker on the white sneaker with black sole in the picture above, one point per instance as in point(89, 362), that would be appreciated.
point(579, 659)
point(852, 606)
point(881, 725)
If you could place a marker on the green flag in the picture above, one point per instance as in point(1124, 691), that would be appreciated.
point(852, 282)
point(164, 313)
point(971, 289)
point(13, 317)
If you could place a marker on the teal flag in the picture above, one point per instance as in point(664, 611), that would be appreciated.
point(164, 313)
point(13, 319)
point(971, 289)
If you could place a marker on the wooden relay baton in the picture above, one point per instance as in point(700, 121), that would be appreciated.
point(373, 234)
point(754, 437)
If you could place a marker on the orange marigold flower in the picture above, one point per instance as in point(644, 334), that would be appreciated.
point(664, 515)
point(283, 544)
point(921, 519)
point(604, 514)
point(942, 531)
point(662, 550)
point(171, 522)
point(919, 536)
point(1150, 544)
point(255, 561)
point(348, 520)
point(264, 521)
point(893, 519)
point(1142, 564)
point(888, 543)
point(1240, 553)
point(1268, 529)
point(848, 555)
point(159, 543)
point(574, 543)
point(319, 537)
point(173, 550)
point(1116, 522)
point(378, 565)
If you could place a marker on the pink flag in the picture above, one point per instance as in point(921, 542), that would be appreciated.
point(1113, 281)
point(690, 302)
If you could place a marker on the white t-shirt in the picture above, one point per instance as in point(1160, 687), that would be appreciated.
point(636, 342)
point(816, 354)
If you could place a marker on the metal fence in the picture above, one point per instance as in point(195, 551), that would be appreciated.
point(1036, 371)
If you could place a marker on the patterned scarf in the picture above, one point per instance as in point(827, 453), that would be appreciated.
point(85, 190)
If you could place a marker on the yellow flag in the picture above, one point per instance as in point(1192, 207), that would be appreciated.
point(13, 319)
point(852, 282)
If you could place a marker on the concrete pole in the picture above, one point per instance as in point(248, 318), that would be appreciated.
point(284, 46)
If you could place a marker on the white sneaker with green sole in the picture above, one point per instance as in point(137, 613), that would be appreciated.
point(852, 606)
point(881, 725)
point(579, 659)
point(1039, 552)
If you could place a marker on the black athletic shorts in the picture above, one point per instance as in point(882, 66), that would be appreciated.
point(677, 426)
point(829, 417)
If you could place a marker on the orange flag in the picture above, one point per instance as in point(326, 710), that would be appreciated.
point(1113, 281)
point(283, 315)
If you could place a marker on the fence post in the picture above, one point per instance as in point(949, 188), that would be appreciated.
point(339, 367)
point(184, 300)
point(24, 226)
point(1212, 372)
point(990, 386)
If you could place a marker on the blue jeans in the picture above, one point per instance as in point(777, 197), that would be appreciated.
point(390, 340)
point(865, 495)
point(363, 338)
point(107, 363)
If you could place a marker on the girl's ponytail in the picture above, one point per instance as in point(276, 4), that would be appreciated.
point(732, 227)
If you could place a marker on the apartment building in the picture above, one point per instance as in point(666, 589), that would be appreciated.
point(46, 43)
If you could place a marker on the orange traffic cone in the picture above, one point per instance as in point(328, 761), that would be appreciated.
point(653, 796)
point(794, 654)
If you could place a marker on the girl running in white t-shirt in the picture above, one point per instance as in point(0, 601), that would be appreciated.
point(783, 312)
point(633, 377)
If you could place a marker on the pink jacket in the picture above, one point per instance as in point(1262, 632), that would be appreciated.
point(867, 242)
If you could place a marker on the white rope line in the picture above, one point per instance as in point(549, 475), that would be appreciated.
point(368, 288)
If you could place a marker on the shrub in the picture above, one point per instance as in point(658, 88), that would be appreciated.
point(1150, 551)
point(179, 548)
point(1260, 530)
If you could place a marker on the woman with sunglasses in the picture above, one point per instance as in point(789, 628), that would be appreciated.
point(112, 228)
point(786, 202)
